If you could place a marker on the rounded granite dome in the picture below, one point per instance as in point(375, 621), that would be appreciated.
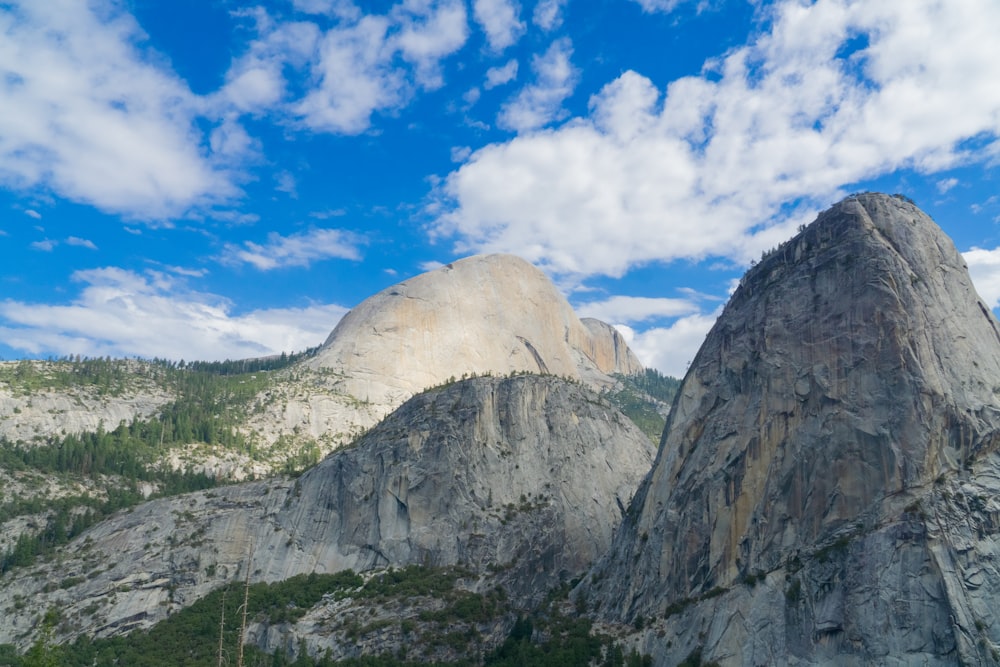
point(487, 314)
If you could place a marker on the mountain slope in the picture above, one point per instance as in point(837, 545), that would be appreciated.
point(522, 480)
point(803, 502)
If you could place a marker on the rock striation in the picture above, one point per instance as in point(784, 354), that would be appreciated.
point(521, 479)
point(826, 489)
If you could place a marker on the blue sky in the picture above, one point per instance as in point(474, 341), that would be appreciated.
point(210, 179)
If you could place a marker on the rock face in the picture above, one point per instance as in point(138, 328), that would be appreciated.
point(36, 415)
point(522, 479)
point(484, 314)
point(826, 487)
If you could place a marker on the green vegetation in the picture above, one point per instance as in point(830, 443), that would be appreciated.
point(633, 398)
point(108, 376)
point(211, 400)
point(190, 638)
point(66, 518)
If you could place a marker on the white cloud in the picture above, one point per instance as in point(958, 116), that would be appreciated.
point(632, 309)
point(705, 167)
point(31, 213)
point(500, 20)
point(337, 8)
point(984, 268)
point(85, 113)
point(671, 349)
point(46, 245)
point(946, 184)
point(122, 313)
point(295, 250)
point(285, 182)
point(83, 243)
point(498, 76)
point(430, 265)
point(460, 153)
point(659, 5)
point(428, 34)
point(548, 14)
point(540, 103)
point(355, 72)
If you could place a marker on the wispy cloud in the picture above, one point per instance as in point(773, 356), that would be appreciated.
point(83, 243)
point(633, 309)
point(31, 213)
point(295, 250)
point(540, 103)
point(833, 93)
point(46, 245)
point(123, 313)
point(946, 184)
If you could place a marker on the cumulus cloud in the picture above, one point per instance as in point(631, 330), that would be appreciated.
point(295, 250)
point(832, 93)
point(500, 20)
point(83, 112)
point(356, 71)
point(670, 349)
point(123, 313)
point(540, 103)
point(984, 268)
point(548, 14)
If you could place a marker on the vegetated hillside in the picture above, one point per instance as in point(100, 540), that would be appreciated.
point(645, 398)
point(432, 611)
point(519, 481)
point(56, 484)
point(84, 439)
point(827, 488)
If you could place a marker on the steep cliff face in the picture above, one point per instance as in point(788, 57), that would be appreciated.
point(802, 505)
point(521, 479)
point(484, 314)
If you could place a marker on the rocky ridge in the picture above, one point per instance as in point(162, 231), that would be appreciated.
point(489, 314)
point(522, 480)
point(825, 489)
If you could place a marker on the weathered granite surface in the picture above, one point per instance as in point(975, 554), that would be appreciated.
point(826, 487)
point(523, 479)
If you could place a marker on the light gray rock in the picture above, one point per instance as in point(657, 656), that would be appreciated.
point(522, 479)
point(851, 379)
point(484, 314)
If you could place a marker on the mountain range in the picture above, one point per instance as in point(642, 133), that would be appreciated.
point(825, 488)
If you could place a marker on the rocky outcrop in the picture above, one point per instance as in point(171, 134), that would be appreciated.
point(488, 314)
point(33, 415)
point(825, 490)
point(521, 479)
point(483, 315)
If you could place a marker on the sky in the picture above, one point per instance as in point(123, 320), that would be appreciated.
point(212, 179)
